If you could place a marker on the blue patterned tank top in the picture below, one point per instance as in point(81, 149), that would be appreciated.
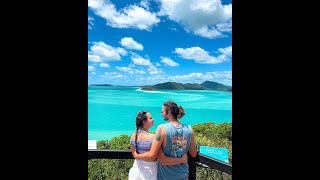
point(177, 143)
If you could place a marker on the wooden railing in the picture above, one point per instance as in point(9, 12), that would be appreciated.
point(200, 160)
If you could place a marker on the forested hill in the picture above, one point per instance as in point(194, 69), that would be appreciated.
point(207, 85)
point(215, 85)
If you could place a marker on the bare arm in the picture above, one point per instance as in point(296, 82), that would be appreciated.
point(193, 150)
point(152, 154)
point(133, 149)
point(164, 160)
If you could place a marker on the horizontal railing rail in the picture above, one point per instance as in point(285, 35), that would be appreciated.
point(214, 163)
point(109, 154)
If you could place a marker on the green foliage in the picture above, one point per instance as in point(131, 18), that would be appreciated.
point(224, 131)
point(104, 144)
point(211, 174)
point(212, 131)
point(200, 128)
point(122, 142)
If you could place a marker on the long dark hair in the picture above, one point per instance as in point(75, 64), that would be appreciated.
point(176, 111)
point(141, 116)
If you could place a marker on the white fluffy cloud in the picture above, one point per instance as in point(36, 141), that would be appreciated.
point(225, 27)
point(145, 4)
point(227, 51)
point(101, 52)
point(138, 60)
point(130, 70)
point(205, 18)
point(91, 68)
point(208, 76)
point(112, 75)
point(90, 22)
point(154, 70)
point(104, 65)
point(129, 17)
point(151, 80)
point(168, 62)
point(129, 43)
point(201, 56)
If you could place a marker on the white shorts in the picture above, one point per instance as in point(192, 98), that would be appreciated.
point(143, 170)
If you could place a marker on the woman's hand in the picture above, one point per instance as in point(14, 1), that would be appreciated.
point(184, 158)
point(134, 154)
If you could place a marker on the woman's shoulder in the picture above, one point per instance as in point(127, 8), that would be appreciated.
point(133, 136)
point(145, 137)
point(151, 135)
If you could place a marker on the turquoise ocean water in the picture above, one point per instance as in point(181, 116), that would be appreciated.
point(112, 110)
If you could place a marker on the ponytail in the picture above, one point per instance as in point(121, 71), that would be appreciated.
point(181, 112)
point(136, 139)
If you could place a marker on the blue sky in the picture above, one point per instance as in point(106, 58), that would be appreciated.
point(145, 42)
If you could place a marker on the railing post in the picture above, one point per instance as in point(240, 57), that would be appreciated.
point(192, 167)
point(99, 177)
point(117, 169)
point(125, 166)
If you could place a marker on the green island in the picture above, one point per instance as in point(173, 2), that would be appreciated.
point(207, 85)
